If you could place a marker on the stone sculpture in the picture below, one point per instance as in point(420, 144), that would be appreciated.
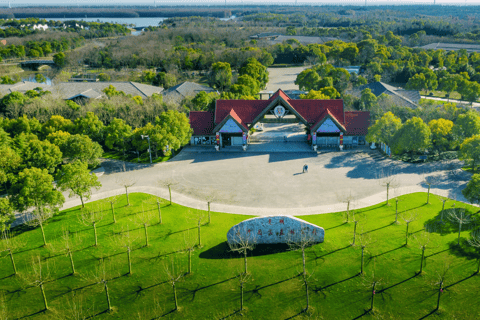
point(275, 229)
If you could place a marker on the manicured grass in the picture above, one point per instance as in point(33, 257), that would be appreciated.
point(441, 94)
point(274, 291)
point(131, 157)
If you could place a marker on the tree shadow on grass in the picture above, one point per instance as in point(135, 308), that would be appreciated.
point(320, 288)
point(441, 224)
point(255, 291)
point(193, 292)
point(326, 254)
point(222, 251)
point(33, 314)
point(464, 250)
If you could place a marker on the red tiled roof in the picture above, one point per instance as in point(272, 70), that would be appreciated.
point(323, 115)
point(311, 110)
point(236, 117)
point(246, 110)
point(201, 122)
point(281, 94)
point(357, 122)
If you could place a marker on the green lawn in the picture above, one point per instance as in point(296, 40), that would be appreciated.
point(274, 291)
point(441, 94)
point(132, 157)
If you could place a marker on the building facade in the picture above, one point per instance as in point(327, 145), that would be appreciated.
point(326, 122)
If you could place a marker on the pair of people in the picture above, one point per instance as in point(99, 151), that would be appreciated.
point(305, 168)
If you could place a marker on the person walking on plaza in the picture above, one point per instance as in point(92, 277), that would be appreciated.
point(305, 168)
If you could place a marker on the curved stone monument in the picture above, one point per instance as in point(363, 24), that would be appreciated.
point(275, 229)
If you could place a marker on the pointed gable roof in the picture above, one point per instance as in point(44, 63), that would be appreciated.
point(279, 93)
point(231, 115)
point(323, 117)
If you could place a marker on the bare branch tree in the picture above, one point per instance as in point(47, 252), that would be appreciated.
point(91, 217)
point(389, 180)
point(365, 241)
point(347, 198)
point(474, 241)
point(422, 240)
point(126, 182)
point(242, 241)
point(112, 201)
point(38, 277)
point(10, 244)
point(102, 276)
point(197, 216)
point(441, 277)
point(67, 246)
point(372, 281)
point(189, 247)
point(173, 276)
point(143, 219)
point(168, 183)
point(459, 216)
point(408, 217)
point(126, 240)
point(156, 202)
point(213, 196)
point(39, 217)
point(429, 181)
point(74, 309)
point(5, 314)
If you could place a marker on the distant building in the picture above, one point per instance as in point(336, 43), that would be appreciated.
point(181, 91)
point(402, 97)
point(83, 90)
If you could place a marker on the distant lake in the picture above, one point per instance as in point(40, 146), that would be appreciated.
point(138, 22)
point(31, 78)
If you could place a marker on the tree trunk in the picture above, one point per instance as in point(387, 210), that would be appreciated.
point(428, 195)
point(440, 290)
point(459, 231)
point(126, 192)
point(307, 295)
point(95, 232)
point(13, 262)
point(199, 235)
point(373, 295)
point(245, 258)
point(108, 297)
point(443, 208)
point(159, 212)
point(146, 235)
point(71, 261)
point(354, 233)
point(129, 261)
point(303, 260)
point(348, 210)
point(241, 296)
point(478, 265)
point(361, 266)
point(113, 213)
point(190, 261)
point(423, 257)
point(44, 297)
point(81, 199)
point(388, 187)
point(175, 296)
point(406, 235)
point(209, 219)
point(170, 194)
point(396, 210)
point(43, 235)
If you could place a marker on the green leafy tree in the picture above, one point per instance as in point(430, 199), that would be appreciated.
point(470, 150)
point(42, 154)
point(442, 134)
point(148, 76)
point(220, 75)
point(384, 129)
point(314, 95)
point(56, 123)
point(205, 101)
point(103, 77)
point(14, 98)
point(175, 130)
point(40, 78)
point(368, 101)
point(448, 84)
point(59, 59)
point(165, 80)
point(255, 70)
point(466, 125)
point(9, 161)
point(34, 188)
point(6, 80)
point(7, 215)
point(330, 92)
point(245, 85)
point(472, 91)
point(308, 80)
point(117, 134)
point(111, 91)
point(412, 137)
point(417, 82)
point(77, 178)
point(91, 126)
point(367, 49)
point(77, 147)
point(472, 190)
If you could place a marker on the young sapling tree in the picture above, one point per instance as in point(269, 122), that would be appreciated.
point(422, 240)
point(349, 199)
point(459, 216)
point(474, 241)
point(174, 275)
point(365, 241)
point(39, 275)
point(197, 216)
point(112, 201)
point(168, 183)
point(126, 240)
point(126, 182)
point(389, 180)
point(91, 217)
point(242, 242)
point(143, 219)
point(408, 217)
point(189, 247)
point(10, 244)
point(243, 279)
point(67, 246)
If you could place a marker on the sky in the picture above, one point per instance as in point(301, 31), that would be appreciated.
point(14, 3)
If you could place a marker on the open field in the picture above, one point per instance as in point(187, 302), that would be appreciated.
point(283, 78)
point(274, 290)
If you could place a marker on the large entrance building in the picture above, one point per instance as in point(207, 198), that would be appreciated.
point(326, 122)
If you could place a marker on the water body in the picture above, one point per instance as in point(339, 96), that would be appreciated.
point(31, 78)
point(137, 22)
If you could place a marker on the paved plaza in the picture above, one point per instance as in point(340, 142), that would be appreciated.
point(265, 183)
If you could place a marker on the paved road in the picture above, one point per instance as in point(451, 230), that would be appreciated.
point(283, 78)
point(259, 183)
